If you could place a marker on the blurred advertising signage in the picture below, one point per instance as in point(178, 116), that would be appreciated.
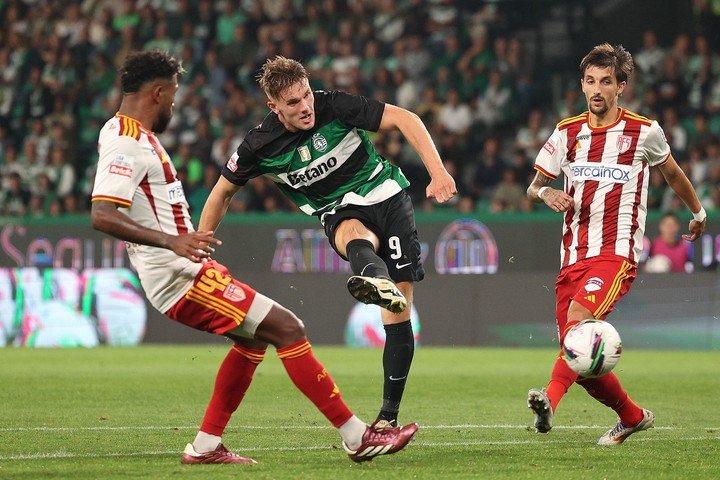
point(466, 246)
point(69, 251)
point(61, 307)
point(305, 251)
point(710, 248)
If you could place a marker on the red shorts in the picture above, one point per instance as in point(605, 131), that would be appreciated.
point(596, 283)
point(217, 303)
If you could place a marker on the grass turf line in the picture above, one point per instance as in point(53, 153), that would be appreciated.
point(121, 412)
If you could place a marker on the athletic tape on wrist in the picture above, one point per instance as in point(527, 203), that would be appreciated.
point(700, 216)
point(541, 191)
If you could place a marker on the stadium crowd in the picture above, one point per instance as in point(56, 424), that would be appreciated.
point(458, 65)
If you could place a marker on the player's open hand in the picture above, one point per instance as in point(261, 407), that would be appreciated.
point(557, 200)
point(696, 230)
point(441, 187)
point(195, 246)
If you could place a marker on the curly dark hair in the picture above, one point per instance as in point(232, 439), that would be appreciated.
point(142, 67)
point(606, 55)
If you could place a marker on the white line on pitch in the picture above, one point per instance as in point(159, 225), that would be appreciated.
point(305, 427)
point(62, 454)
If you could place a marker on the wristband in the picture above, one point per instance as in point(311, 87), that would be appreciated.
point(541, 191)
point(700, 216)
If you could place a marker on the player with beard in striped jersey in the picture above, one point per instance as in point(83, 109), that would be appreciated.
point(314, 146)
point(138, 198)
point(604, 154)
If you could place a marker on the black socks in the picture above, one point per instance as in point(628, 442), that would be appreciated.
point(364, 261)
point(397, 357)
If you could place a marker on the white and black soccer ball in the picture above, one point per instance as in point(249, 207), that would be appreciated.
point(592, 348)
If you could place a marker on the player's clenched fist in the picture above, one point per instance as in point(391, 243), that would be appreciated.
point(194, 246)
point(442, 188)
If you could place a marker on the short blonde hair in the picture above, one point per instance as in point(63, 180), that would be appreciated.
point(279, 73)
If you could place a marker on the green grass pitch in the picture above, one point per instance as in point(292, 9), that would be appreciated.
point(128, 412)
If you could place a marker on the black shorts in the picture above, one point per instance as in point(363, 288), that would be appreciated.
point(393, 221)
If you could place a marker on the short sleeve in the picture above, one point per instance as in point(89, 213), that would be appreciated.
point(241, 166)
point(549, 159)
point(120, 171)
point(356, 111)
point(657, 149)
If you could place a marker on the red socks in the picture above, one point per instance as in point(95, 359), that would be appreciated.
point(560, 381)
point(232, 381)
point(311, 378)
point(608, 391)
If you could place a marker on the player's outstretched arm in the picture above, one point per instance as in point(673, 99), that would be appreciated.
point(442, 185)
point(681, 185)
point(540, 191)
point(217, 204)
point(194, 246)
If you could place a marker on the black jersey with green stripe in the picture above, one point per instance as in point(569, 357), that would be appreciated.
point(329, 166)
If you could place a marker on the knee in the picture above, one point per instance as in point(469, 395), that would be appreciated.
point(291, 328)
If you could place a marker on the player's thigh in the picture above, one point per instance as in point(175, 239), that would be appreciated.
point(218, 303)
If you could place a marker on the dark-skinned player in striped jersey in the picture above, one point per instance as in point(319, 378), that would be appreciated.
point(314, 146)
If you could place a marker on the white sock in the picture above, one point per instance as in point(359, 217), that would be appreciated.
point(204, 442)
point(352, 432)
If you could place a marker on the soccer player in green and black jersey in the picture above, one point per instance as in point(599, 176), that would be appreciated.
point(314, 146)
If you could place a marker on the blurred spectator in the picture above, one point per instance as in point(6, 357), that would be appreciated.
point(699, 132)
point(670, 89)
point(487, 172)
point(649, 58)
point(493, 106)
point(675, 133)
point(198, 195)
point(14, 199)
point(656, 189)
point(467, 68)
point(533, 135)
point(61, 173)
point(509, 195)
point(669, 252)
point(455, 116)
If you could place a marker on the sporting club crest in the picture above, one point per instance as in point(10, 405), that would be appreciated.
point(319, 142)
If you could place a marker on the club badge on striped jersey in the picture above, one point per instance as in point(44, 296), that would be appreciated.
point(623, 143)
point(304, 152)
point(319, 142)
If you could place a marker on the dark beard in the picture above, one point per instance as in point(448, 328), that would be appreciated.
point(162, 122)
point(601, 111)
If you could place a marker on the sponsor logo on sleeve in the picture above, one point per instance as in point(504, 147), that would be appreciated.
point(232, 162)
point(175, 192)
point(549, 147)
point(122, 165)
